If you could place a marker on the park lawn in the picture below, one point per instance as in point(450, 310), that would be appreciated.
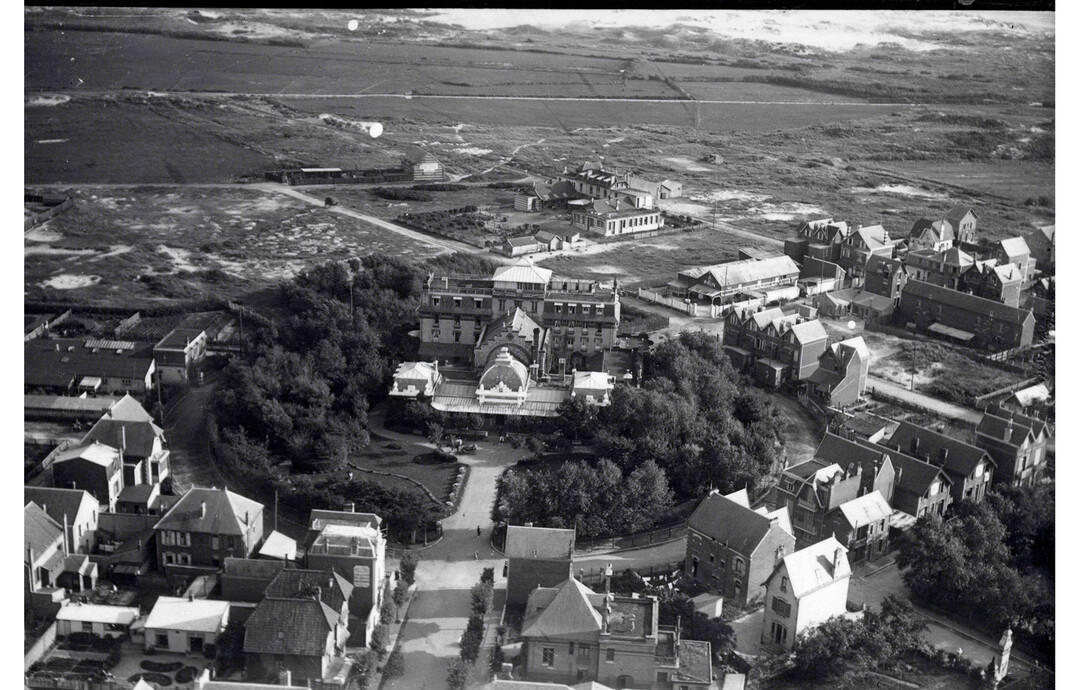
point(437, 477)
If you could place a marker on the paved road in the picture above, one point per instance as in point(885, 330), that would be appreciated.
point(946, 409)
point(802, 434)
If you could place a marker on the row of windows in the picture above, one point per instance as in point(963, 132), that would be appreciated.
point(176, 558)
point(548, 655)
point(170, 538)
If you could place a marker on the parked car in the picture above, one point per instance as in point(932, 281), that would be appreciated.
point(467, 448)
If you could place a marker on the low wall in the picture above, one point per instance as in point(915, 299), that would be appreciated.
point(38, 649)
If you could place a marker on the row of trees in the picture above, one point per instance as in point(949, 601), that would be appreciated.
point(992, 563)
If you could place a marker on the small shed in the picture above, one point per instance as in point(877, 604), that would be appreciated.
point(99, 619)
point(278, 547)
point(185, 625)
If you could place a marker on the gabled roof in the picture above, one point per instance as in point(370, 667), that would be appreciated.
point(252, 568)
point(94, 451)
point(333, 589)
point(1014, 247)
point(128, 409)
point(1000, 429)
point(913, 475)
point(415, 370)
point(883, 264)
point(872, 301)
point(966, 302)
point(539, 542)
point(735, 273)
point(226, 513)
point(97, 613)
point(856, 344)
point(1037, 426)
point(1007, 273)
point(522, 241)
point(957, 213)
point(835, 449)
point(289, 627)
point(522, 271)
point(730, 523)
point(191, 615)
point(866, 509)
point(39, 530)
point(570, 613)
point(178, 339)
point(136, 493)
point(809, 331)
point(934, 230)
point(136, 437)
point(811, 569)
point(59, 502)
point(962, 457)
point(874, 236)
point(278, 546)
point(1047, 232)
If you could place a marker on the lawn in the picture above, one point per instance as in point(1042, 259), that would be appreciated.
point(385, 456)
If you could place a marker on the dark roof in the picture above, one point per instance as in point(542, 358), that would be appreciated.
point(58, 502)
point(136, 493)
point(300, 584)
point(998, 427)
point(970, 303)
point(694, 662)
point(539, 542)
point(962, 457)
point(916, 476)
point(226, 513)
point(47, 360)
point(523, 241)
point(843, 452)
point(730, 523)
point(178, 339)
point(139, 436)
point(39, 530)
point(956, 213)
point(289, 626)
point(882, 264)
point(259, 568)
point(1036, 425)
point(865, 425)
point(805, 469)
point(943, 230)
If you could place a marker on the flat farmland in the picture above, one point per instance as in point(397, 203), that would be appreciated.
point(751, 91)
point(1019, 180)
point(152, 242)
point(570, 114)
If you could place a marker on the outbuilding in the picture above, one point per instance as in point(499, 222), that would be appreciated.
point(185, 625)
point(110, 621)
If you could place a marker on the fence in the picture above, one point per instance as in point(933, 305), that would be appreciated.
point(39, 218)
point(644, 234)
point(665, 572)
point(34, 654)
point(981, 401)
point(629, 541)
point(674, 302)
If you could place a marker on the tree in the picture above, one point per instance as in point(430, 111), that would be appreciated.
point(458, 675)
point(576, 420)
point(408, 566)
point(435, 433)
point(379, 637)
point(389, 610)
point(696, 625)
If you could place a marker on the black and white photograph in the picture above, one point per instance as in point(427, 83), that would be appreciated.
point(499, 348)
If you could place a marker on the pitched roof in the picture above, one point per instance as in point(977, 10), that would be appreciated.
point(570, 613)
point(725, 520)
point(178, 339)
point(938, 230)
point(956, 257)
point(809, 331)
point(810, 569)
point(39, 530)
point(522, 271)
point(192, 615)
point(1037, 426)
point(128, 409)
point(962, 458)
point(59, 502)
point(1014, 246)
point(966, 302)
point(95, 452)
point(97, 613)
point(855, 344)
point(334, 590)
point(883, 264)
point(277, 545)
point(288, 626)
point(139, 437)
point(539, 542)
point(1007, 273)
point(872, 301)
point(874, 236)
point(226, 512)
point(999, 428)
point(866, 509)
point(734, 273)
point(957, 213)
point(916, 476)
point(258, 568)
point(522, 241)
point(47, 360)
point(835, 449)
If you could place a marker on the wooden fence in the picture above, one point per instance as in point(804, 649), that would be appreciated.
point(676, 303)
point(39, 218)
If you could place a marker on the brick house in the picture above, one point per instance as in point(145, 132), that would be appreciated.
point(841, 471)
point(873, 308)
point(862, 526)
point(538, 557)
point(819, 239)
point(1001, 283)
point(920, 487)
point(92, 467)
point(773, 346)
point(885, 277)
point(970, 468)
point(806, 588)
point(130, 428)
point(572, 634)
point(944, 268)
point(935, 235)
point(840, 380)
point(731, 549)
point(73, 509)
point(1016, 442)
point(985, 323)
point(1015, 250)
point(1040, 242)
point(205, 527)
point(963, 220)
point(857, 248)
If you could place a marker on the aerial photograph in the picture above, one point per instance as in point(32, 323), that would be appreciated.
point(548, 349)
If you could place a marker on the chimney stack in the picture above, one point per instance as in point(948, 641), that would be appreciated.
point(915, 446)
point(943, 456)
point(350, 507)
point(202, 509)
point(285, 677)
point(607, 579)
point(836, 560)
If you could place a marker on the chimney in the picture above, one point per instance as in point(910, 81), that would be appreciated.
point(350, 507)
point(65, 537)
point(779, 554)
point(899, 476)
point(123, 438)
point(446, 282)
point(836, 559)
point(202, 509)
point(317, 596)
point(285, 677)
point(943, 456)
point(607, 579)
point(191, 595)
point(914, 446)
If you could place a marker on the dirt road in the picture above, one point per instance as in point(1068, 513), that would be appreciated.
point(945, 409)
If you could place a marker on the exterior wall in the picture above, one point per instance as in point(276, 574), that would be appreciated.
point(603, 224)
point(565, 666)
point(526, 574)
point(199, 548)
point(179, 641)
point(104, 484)
point(817, 607)
point(366, 574)
point(994, 333)
point(65, 628)
point(635, 659)
point(716, 564)
point(303, 668)
point(1016, 466)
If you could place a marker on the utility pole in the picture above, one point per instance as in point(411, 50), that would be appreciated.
point(275, 508)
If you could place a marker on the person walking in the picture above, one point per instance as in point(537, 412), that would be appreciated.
point(476, 555)
point(478, 531)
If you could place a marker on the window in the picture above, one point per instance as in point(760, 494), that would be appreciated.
point(435, 303)
point(712, 558)
point(169, 559)
point(87, 626)
point(783, 584)
point(583, 653)
point(232, 542)
point(478, 304)
point(781, 607)
point(979, 470)
point(739, 566)
point(934, 488)
point(457, 336)
point(457, 302)
point(571, 309)
point(558, 308)
point(571, 650)
point(215, 542)
point(161, 640)
point(548, 656)
point(610, 658)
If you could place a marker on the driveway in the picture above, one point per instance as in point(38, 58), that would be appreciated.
point(802, 432)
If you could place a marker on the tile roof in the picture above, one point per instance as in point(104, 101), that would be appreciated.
point(810, 569)
point(334, 590)
point(95, 452)
point(865, 425)
point(725, 520)
point(834, 449)
point(570, 613)
point(289, 626)
point(522, 241)
point(734, 273)
point(1007, 273)
point(191, 615)
point(872, 301)
point(277, 545)
point(59, 502)
point(917, 475)
point(998, 427)
point(258, 568)
point(966, 302)
point(178, 339)
point(882, 264)
point(809, 331)
point(957, 213)
point(522, 271)
point(962, 457)
point(226, 513)
point(938, 230)
point(139, 437)
point(866, 509)
point(539, 542)
point(128, 409)
point(39, 530)
point(1014, 247)
point(46, 360)
point(874, 236)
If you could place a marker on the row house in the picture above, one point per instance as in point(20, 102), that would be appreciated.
point(964, 222)
point(95, 366)
point(775, 347)
point(985, 323)
point(205, 527)
point(988, 279)
point(933, 235)
point(1015, 250)
point(818, 239)
point(615, 217)
point(920, 488)
point(807, 588)
point(862, 526)
point(731, 549)
point(1016, 442)
point(572, 634)
point(944, 268)
point(841, 471)
point(862, 243)
point(885, 277)
point(970, 468)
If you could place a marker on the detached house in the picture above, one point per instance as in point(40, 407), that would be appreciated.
point(572, 634)
point(963, 220)
point(1016, 442)
point(92, 467)
point(841, 377)
point(935, 235)
point(819, 239)
point(130, 428)
point(771, 278)
point(944, 268)
point(1015, 251)
point(75, 510)
point(1040, 243)
point(985, 323)
point(775, 347)
point(731, 549)
point(205, 527)
point(885, 277)
point(615, 217)
point(185, 625)
point(805, 589)
point(857, 248)
point(424, 167)
point(970, 469)
point(543, 196)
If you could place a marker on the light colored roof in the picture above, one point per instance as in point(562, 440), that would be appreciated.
point(747, 271)
point(872, 301)
point(810, 569)
point(809, 331)
point(540, 401)
point(569, 613)
point(1026, 396)
point(97, 613)
point(522, 271)
point(415, 370)
point(741, 497)
point(1007, 273)
point(866, 509)
point(539, 542)
point(522, 241)
point(67, 403)
point(873, 235)
point(593, 380)
point(226, 512)
point(858, 344)
point(96, 452)
point(1015, 246)
point(277, 545)
point(191, 615)
point(39, 530)
point(505, 371)
point(128, 409)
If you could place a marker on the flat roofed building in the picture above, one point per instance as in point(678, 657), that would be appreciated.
point(87, 365)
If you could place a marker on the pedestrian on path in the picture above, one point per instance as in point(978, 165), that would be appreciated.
point(478, 531)
point(476, 555)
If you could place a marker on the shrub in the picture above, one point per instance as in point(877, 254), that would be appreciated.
point(210, 651)
point(395, 665)
point(408, 567)
point(379, 638)
point(488, 575)
point(401, 590)
point(483, 594)
point(458, 675)
point(161, 666)
point(187, 674)
point(388, 613)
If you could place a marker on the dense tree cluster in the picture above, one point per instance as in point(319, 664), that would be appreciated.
point(595, 499)
point(991, 563)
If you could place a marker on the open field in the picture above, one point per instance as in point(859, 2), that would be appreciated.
point(158, 243)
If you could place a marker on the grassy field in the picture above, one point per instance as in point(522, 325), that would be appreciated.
point(386, 457)
point(159, 243)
